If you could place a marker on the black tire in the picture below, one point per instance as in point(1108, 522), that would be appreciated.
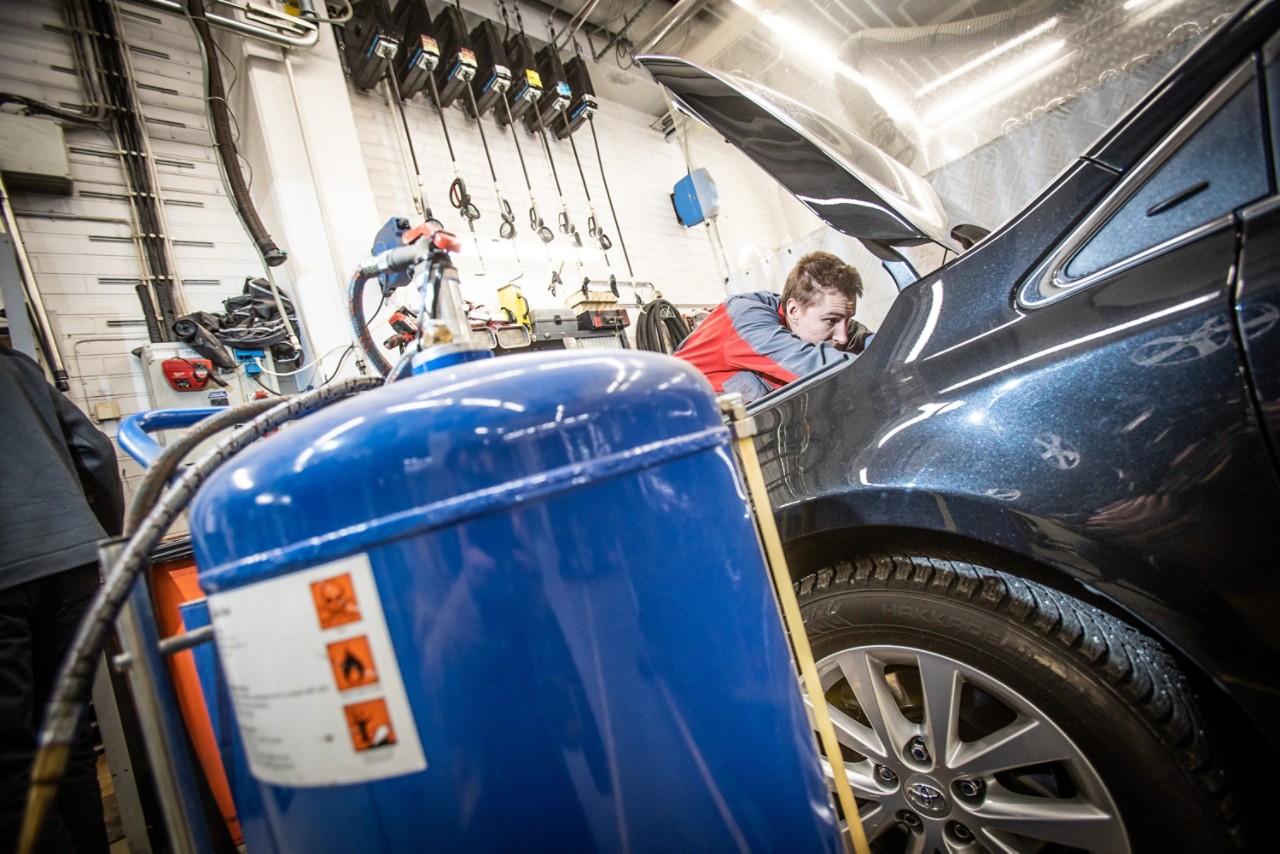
point(1023, 653)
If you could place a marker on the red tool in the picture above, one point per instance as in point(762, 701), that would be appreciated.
point(405, 324)
point(187, 374)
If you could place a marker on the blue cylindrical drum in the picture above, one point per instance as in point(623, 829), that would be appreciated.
point(516, 604)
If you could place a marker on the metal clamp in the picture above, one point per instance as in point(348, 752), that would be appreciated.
point(734, 410)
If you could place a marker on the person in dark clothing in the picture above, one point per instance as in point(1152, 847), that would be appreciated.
point(60, 493)
point(756, 342)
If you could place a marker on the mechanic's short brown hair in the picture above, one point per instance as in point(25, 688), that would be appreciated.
point(818, 272)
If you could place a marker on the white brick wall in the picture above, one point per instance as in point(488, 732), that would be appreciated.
point(641, 169)
point(87, 267)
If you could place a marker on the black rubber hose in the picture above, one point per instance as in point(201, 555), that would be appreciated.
point(75, 678)
point(355, 312)
point(225, 141)
point(159, 472)
point(657, 318)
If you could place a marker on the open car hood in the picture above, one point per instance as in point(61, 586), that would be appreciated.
point(850, 184)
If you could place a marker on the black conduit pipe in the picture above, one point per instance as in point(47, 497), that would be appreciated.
point(224, 141)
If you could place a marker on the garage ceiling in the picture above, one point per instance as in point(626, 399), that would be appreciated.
point(926, 80)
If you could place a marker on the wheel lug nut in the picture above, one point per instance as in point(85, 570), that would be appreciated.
point(918, 750)
point(886, 774)
point(960, 832)
point(970, 789)
point(910, 819)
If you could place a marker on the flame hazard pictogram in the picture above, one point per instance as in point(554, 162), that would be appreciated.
point(352, 662)
point(335, 600)
point(370, 725)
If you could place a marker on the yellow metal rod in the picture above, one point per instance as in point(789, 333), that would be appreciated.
point(743, 430)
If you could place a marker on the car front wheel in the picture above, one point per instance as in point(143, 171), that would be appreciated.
point(979, 711)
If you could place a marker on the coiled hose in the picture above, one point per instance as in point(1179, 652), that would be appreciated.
point(355, 312)
point(660, 327)
point(76, 675)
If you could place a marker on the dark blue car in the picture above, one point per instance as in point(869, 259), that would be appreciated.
point(1034, 526)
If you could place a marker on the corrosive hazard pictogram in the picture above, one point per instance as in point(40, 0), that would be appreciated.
point(370, 724)
point(335, 599)
point(352, 662)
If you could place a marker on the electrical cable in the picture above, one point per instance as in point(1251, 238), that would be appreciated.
point(310, 364)
point(75, 678)
point(424, 206)
point(338, 367)
point(458, 195)
point(268, 389)
point(536, 222)
point(660, 328)
point(507, 230)
point(565, 224)
point(593, 226)
point(609, 197)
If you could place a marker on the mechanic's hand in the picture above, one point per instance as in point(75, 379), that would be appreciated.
point(858, 336)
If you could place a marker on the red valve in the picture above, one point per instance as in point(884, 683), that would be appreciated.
point(446, 241)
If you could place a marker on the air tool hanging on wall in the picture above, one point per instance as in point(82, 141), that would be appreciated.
point(526, 85)
point(451, 77)
point(492, 70)
point(522, 95)
point(406, 75)
point(555, 89)
point(582, 106)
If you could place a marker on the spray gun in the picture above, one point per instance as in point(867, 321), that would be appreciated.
point(444, 330)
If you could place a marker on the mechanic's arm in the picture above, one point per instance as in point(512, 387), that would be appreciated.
point(95, 461)
point(773, 351)
point(858, 337)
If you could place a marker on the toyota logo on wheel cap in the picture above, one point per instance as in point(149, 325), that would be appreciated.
point(928, 799)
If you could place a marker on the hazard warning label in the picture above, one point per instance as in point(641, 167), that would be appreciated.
point(335, 600)
point(370, 725)
point(352, 662)
point(314, 678)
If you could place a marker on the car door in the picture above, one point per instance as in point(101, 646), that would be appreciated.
point(1258, 294)
point(1177, 475)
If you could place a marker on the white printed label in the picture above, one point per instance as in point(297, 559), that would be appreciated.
point(314, 679)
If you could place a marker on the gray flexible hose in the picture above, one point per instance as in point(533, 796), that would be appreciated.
point(76, 675)
point(159, 472)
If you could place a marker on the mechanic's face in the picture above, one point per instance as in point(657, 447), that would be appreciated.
point(823, 320)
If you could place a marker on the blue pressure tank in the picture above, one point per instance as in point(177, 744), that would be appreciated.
point(514, 604)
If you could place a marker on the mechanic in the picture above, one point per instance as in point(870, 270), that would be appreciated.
point(60, 494)
point(756, 342)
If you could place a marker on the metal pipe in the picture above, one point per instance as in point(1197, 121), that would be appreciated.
point(159, 717)
point(176, 296)
point(576, 22)
point(308, 39)
point(43, 331)
point(677, 17)
point(169, 646)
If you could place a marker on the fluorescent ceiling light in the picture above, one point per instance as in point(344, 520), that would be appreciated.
point(999, 50)
point(1012, 78)
point(815, 51)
